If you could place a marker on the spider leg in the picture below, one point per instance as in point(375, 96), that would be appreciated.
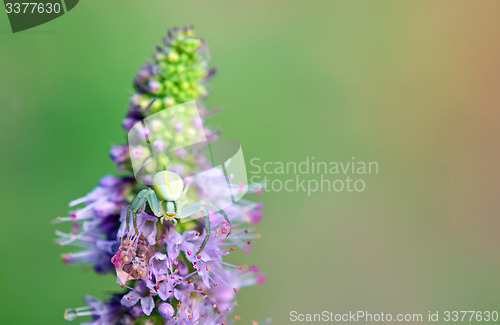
point(191, 209)
point(202, 206)
point(207, 230)
point(135, 207)
point(154, 203)
point(219, 210)
point(131, 205)
point(187, 185)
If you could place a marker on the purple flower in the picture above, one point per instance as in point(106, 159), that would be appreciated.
point(173, 240)
point(159, 264)
point(129, 122)
point(178, 126)
point(110, 312)
point(159, 145)
point(153, 86)
point(95, 225)
point(142, 293)
point(119, 153)
point(166, 310)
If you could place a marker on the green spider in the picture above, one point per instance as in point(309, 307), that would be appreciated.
point(166, 189)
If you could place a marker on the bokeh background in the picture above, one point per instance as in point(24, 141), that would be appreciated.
point(414, 86)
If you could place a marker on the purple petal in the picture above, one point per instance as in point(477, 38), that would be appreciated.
point(130, 299)
point(164, 290)
point(159, 263)
point(110, 181)
point(147, 305)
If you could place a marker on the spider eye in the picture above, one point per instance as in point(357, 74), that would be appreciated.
point(168, 185)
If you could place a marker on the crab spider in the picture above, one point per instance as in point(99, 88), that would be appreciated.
point(166, 189)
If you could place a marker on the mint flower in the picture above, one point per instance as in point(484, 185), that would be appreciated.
point(161, 276)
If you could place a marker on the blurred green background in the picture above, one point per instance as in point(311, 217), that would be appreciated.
point(414, 86)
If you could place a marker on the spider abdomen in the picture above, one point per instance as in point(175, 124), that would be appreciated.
point(167, 185)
